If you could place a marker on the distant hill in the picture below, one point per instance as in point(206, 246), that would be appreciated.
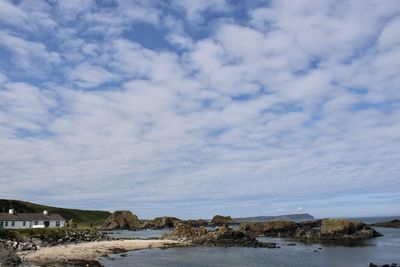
point(96, 217)
point(287, 217)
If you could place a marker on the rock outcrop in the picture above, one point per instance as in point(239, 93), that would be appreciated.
point(122, 220)
point(389, 224)
point(327, 229)
point(254, 228)
point(224, 236)
point(280, 228)
point(197, 223)
point(339, 229)
point(219, 220)
point(8, 257)
point(161, 223)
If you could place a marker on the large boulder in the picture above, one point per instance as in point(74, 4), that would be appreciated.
point(123, 219)
point(219, 220)
point(8, 257)
point(184, 231)
point(255, 228)
point(345, 229)
point(166, 222)
point(280, 228)
point(161, 223)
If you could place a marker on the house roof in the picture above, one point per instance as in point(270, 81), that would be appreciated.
point(30, 217)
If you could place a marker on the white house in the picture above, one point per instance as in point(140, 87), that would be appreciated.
point(13, 220)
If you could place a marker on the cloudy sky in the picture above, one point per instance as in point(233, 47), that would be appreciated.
point(196, 107)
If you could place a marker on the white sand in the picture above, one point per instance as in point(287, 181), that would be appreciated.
point(91, 250)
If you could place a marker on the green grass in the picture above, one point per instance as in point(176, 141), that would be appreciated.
point(82, 217)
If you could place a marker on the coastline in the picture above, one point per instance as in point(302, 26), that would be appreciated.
point(87, 254)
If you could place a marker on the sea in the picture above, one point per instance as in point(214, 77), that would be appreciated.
point(380, 250)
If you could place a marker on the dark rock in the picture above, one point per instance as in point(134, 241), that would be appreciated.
point(122, 220)
point(255, 228)
point(161, 223)
point(280, 228)
point(219, 220)
point(372, 265)
point(8, 257)
point(197, 223)
point(327, 229)
point(224, 237)
point(390, 224)
point(344, 229)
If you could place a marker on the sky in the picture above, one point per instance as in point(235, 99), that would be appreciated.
point(191, 108)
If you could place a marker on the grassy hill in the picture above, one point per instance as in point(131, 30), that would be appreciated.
point(82, 217)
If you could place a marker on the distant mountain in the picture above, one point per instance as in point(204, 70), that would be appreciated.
point(96, 217)
point(287, 217)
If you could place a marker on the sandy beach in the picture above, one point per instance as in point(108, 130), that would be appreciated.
point(91, 251)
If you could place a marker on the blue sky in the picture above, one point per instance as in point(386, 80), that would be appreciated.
point(197, 107)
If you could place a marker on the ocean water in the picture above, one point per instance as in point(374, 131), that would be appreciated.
point(380, 250)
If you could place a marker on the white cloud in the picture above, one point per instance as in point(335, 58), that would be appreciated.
point(261, 113)
point(28, 55)
point(11, 14)
point(194, 8)
point(87, 76)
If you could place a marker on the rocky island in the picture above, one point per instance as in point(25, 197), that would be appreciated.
point(389, 224)
point(326, 229)
point(224, 236)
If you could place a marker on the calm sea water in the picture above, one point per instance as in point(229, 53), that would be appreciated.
point(380, 250)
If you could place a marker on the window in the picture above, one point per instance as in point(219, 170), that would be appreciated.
point(12, 223)
point(1, 224)
point(36, 222)
point(57, 223)
point(24, 224)
point(5, 223)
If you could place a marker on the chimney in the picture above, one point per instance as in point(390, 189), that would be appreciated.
point(45, 212)
point(11, 211)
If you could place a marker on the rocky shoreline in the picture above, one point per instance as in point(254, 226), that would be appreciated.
point(125, 219)
point(223, 237)
point(15, 242)
point(44, 242)
point(88, 253)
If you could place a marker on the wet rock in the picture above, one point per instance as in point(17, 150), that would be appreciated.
point(8, 257)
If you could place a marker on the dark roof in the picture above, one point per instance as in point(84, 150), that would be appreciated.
point(30, 217)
